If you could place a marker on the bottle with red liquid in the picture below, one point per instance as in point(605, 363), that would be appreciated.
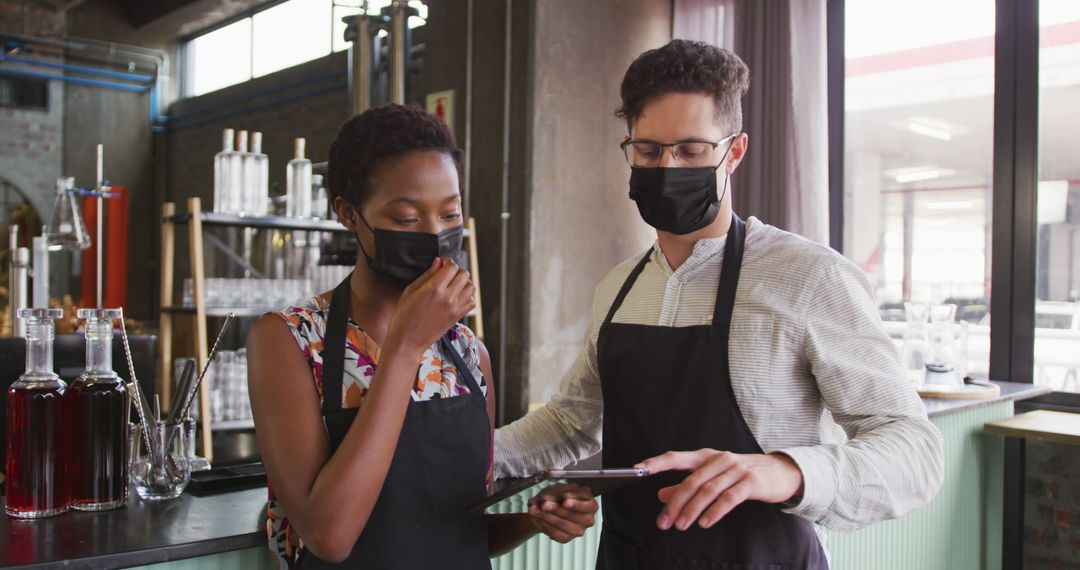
point(99, 404)
point(38, 428)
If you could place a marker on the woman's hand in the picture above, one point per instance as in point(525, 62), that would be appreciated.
point(563, 512)
point(429, 306)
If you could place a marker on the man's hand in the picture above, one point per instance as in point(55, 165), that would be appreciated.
point(720, 482)
point(563, 512)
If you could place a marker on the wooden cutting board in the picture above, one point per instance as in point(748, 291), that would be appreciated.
point(962, 392)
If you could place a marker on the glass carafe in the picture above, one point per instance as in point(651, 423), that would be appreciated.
point(37, 427)
point(100, 406)
point(941, 362)
point(915, 348)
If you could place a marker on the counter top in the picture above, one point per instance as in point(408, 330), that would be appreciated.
point(140, 533)
point(1009, 391)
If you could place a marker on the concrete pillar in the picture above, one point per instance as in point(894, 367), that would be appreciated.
point(582, 221)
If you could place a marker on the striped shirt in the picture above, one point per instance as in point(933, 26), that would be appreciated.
point(813, 371)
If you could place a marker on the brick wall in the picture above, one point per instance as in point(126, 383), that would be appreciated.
point(30, 148)
point(1052, 507)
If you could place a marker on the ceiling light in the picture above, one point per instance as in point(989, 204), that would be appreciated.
point(918, 176)
point(950, 205)
point(933, 132)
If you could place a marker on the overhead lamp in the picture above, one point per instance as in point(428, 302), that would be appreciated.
point(918, 176)
point(927, 130)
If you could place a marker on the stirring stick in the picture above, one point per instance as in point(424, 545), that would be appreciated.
point(139, 401)
point(213, 352)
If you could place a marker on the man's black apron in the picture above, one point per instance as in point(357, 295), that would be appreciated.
point(669, 389)
point(420, 519)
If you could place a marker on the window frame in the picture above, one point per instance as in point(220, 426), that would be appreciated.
point(187, 69)
point(1014, 235)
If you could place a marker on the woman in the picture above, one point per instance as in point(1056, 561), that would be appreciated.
point(373, 405)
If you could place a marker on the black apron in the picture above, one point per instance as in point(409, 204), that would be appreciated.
point(420, 519)
point(666, 389)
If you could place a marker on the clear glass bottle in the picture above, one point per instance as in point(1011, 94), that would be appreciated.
point(38, 431)
point(238, 198)
point(222, 172)
point(260, 173)
point(298, 183)
point(320, 200)
point(100, 405)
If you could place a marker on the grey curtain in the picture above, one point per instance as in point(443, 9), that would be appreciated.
point(784, 178)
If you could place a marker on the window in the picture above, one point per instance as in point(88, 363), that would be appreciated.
point(288, 34)
point(1057, 279)
point(271, 39)
point(218, 59)
point(918, 115)
point(24, 93)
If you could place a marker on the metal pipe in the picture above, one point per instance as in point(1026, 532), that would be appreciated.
point(41, 272)
point(100, 245)
point(15, 287)
point(467, 167)
point(20, 272)
point(504, 218)
point(159, 58)
point(359, 33)
point(398, 25)
point(78, 69)
point(75, 80)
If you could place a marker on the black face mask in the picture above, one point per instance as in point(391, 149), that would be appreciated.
point(677, 200)
point(402, 257)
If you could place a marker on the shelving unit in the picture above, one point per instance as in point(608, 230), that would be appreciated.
point(195, 219)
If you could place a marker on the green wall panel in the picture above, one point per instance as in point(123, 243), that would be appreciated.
point(961, 528)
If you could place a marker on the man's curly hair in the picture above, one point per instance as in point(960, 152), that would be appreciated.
point(684, 66)
point(368, 139)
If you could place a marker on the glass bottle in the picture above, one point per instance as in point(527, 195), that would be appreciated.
point(320, 200)
point(298, 183)
point(221, 171)
point(37, 427)
point(260, 174)
point(238, 197)
point(913, 353)
point(100, 406)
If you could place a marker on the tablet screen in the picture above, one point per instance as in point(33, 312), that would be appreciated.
point(512, 495)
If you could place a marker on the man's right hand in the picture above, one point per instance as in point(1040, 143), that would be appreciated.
point(429, 306)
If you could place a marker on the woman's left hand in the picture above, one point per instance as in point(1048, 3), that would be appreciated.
point(563, 512)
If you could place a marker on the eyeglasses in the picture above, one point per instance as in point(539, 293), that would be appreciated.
point(689, 153)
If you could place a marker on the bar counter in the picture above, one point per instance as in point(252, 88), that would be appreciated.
point(227, 529)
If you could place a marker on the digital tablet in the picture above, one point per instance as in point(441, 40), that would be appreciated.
point(512, 495)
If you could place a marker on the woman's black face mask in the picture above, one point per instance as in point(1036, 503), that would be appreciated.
point(402, 257)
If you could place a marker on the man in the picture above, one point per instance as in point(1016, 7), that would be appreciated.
point(749, 357)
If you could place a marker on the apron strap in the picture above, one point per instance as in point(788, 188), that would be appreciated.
point(333, 370)
point(627, 285)
point(729, 273)
point(462, 370)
